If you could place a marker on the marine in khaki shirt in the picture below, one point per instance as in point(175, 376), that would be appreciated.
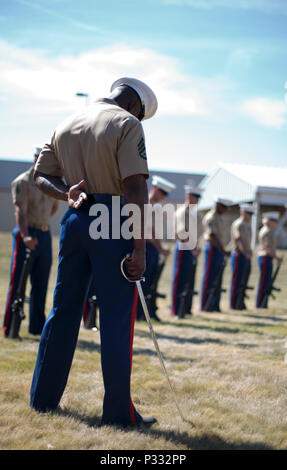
point(266, 237)
point(102, 146)
point(241, 234)
point(39, 206)
point(99, 152)
point(186, 215)
point(213, 224)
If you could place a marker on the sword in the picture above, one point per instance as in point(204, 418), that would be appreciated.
point(145, 309)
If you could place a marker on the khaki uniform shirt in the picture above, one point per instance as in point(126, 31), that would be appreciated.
point(39, 205)
point(213, 225)
point(103, 145)
point(242, 230)
point(266, 239)
point(185, 216)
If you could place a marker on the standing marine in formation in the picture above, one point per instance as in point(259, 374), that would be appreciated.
point(33, 212)
point(214, 255)
point(266, 255)
point(241, 255)
point(155, 253)
point(186, 253)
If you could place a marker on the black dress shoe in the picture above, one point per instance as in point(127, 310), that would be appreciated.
point(148, 421)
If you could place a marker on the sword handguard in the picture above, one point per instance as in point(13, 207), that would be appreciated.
point(142, 278)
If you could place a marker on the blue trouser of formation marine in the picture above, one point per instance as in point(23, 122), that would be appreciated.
point(265, 264)
point(81, 259)
point(213, 260)
point(240, 270)
point(152, 263)
point(182, 268)
point(41, 260)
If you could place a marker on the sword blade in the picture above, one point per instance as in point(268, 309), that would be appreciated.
point(147, 316)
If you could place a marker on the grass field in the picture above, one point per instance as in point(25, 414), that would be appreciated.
point(228, 369)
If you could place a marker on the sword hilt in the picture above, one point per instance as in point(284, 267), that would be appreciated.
point(142, 278)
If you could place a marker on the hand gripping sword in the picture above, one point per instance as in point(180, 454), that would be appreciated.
point(145, 309)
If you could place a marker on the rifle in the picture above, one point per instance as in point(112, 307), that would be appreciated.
point(188, 291)
point(215, 288)
point(241, 295)
point(17, 308)
point(91, 322)
point(271, 288)
point(153, 294)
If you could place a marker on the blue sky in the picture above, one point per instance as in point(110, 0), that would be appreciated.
point(218, 68)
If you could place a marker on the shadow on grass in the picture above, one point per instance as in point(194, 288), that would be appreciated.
point(220, 329)
point(91, 346)
point(206, 441)
point(266, 317)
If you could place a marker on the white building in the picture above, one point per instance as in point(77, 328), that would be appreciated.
point(265, 186)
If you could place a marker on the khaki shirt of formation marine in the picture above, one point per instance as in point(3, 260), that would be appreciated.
point(266, 239)
point(240, 230)
point(213, 225)
point(103, 145)
point(188, 221)
point(39, 205)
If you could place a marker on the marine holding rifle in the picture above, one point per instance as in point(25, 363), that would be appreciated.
point(33, 212)
point(185, 254)
point(214, 255)
point(266, 255)
point(240, 258)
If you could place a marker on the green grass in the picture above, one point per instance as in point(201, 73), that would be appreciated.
point(228, 370)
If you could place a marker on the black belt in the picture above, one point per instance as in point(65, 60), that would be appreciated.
point(103, 198)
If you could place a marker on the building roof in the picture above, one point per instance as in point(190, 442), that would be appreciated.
point(243, 183)
point(258, 176)
point(10, 168)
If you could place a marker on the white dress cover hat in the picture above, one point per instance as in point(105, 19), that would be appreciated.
point(145, 93)
point(271, 215)
point(247, 208)
point(224, 202)
point(189, 189)
point(37, 149)
point(162, 184)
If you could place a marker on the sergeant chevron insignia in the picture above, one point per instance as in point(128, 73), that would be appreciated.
point(141, 149)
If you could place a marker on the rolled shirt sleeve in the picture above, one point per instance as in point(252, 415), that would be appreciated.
point(48, 162)
point(131, 152)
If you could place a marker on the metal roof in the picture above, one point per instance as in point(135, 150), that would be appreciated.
point(258, 176)
point(241, 183)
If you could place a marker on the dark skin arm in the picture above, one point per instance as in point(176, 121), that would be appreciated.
point(55, 187)
point(136, 192)
point(22, 222)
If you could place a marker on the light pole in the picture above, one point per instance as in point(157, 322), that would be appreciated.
point(83, 95)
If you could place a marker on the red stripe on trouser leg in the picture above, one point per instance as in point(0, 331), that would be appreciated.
point(263, 275)
point(209, 260)
point(133, 316)
point(178, 266)
point(11, 287)
point(234, 280)
point(85, 312)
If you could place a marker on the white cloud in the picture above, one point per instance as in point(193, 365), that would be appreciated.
point(54, 81)
point(267, 112)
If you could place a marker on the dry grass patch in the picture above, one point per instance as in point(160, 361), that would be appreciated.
point(227, 368)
